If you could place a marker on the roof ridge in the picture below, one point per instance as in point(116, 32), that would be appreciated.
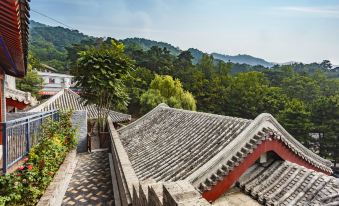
point(160, 106)
point(40, 107)
point(71, 91)
point(208, 114)
point(166, 107)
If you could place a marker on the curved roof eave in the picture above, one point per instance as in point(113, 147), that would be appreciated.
point(262, 121)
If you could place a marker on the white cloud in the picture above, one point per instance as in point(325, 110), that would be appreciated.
point(322, 11)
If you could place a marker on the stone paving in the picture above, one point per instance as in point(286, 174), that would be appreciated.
point(91, 182)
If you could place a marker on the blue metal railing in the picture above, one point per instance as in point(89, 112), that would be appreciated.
point(20, 135)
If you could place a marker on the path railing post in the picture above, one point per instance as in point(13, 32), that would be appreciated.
point(27, 135)
point(5, 148)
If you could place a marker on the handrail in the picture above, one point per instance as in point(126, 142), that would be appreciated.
point(21, 134)
point(38, 114)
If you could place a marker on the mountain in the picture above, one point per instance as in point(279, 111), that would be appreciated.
point(49, 45)
point(197, 54)
point(146, 44)
point(242, 59)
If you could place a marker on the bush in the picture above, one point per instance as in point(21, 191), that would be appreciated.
point(27, 184)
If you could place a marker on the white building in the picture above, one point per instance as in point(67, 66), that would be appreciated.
point(54, 82)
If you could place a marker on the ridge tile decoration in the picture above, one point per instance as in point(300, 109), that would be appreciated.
point(209, 151)
point(67, 99)
point(20, 96)
point(285, 183)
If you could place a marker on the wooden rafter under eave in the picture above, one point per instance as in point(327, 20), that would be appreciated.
point(14, 20)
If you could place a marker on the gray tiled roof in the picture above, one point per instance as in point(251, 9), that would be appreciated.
point(286, 183)
point(170, 144)
point(67, 99)
point(230, 162)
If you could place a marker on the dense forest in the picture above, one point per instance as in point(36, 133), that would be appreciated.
point(303, 97)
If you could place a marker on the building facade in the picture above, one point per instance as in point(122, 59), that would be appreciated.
point(55, 82)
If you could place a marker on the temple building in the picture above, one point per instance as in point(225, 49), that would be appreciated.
point(178, 157)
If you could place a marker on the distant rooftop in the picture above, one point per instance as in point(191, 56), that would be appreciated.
point(66, 99)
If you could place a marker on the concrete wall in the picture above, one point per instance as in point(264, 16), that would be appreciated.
point(79, 120)
point(57, 188)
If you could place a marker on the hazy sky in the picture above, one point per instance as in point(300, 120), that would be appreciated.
point(278, 31)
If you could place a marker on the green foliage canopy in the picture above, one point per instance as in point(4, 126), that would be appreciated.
point(101, 73)
point(32, 82)
point(164, 89)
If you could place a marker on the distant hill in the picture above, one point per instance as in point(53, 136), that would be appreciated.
point(243, 59)
point(146, 44)
point(197, 54)
point(48, 43)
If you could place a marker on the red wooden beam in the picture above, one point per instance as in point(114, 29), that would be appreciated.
point(274, 145)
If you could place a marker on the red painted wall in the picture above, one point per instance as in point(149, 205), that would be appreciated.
point(16, 104)
point(274, 145)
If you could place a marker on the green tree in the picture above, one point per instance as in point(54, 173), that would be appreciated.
point(32, 82)
point(164, 89)
point(297, 120)
point(301, 87)
point(206, 65)
point(101, 73)
point(326, 64)
point(274, 101)
point(246, 94)
point(325, 116)
point(137, 84)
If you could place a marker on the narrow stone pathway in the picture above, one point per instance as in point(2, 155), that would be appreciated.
point(91, 183)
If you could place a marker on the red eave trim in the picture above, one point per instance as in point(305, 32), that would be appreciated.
point(267, 145)
point(15, 103)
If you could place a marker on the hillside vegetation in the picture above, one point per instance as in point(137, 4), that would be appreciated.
point(49, 45)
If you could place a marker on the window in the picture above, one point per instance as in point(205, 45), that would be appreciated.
point(51, 80)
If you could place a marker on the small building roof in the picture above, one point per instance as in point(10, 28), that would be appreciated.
point(20, 96)
point(67, 99)
point(53, 74)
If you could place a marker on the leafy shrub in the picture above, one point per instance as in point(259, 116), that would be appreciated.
point(27, 184)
